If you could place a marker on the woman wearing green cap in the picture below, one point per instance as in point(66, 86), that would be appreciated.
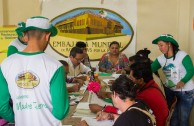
point(178, 69)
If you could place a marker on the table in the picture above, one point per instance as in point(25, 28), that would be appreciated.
point(69, 120)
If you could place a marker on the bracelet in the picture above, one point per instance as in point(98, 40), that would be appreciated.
point(110, 116)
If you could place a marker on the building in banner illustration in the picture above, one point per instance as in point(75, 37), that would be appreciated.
point(97, 27)
point(90, 23)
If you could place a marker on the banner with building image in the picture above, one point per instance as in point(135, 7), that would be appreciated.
point(95, 22)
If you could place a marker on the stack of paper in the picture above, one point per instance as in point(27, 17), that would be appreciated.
point(75, 99)
point(82, 89)
point(107, 81)
point(83, 110)
point(95, 100)
point(94, 122)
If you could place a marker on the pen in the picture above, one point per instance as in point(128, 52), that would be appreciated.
point(100, 113)
point(103, 108)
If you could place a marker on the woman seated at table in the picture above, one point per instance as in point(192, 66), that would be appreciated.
point(114, 61)
point(134, 112)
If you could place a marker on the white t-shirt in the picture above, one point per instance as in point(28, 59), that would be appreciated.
point(74, 71)
point(28, 79)
point(175, 71)
point(17, 44)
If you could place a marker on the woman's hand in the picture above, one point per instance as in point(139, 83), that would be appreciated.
point(109, 71)
point(180, 85)
point(84, 78)
point(102, 116)
point(121, 71)
point(83, 123)
point(103, 95)
point(74, 88)
point(80, 81)
point(95, 108)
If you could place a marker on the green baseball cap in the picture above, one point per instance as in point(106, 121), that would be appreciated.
point(166, 38)
point(20, 28)
point(40, 23)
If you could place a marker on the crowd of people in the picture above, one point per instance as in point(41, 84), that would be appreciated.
point(33, 89)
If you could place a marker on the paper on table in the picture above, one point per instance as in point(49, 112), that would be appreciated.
point(75, 99)
point(107, 80)
point(84, 113)
point(96, 100)
point(94, 122)
point(82, 90)
point(71, 84)
point(83, 105)
point(83, 110)
point(116, 75)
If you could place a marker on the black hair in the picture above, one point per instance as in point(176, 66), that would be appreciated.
point(124, 87)
point(64, 62)
point(137, 58)
point(75, 50)
point(143, 56)
point(114, 42)
point(80, 44)
point(175, 50)
point(144, 52)
point(142, 70)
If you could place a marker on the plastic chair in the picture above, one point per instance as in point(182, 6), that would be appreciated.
point(172, 107)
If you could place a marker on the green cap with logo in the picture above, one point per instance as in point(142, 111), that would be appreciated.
point(40, 23)
point(20, 28)
point(166, 38)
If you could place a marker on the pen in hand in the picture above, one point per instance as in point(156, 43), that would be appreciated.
point(100, 115)
point(103, 109)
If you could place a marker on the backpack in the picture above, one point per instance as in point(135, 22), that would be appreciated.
point(151, 116)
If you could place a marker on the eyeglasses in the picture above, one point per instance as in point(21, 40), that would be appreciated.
point(79, 60)
point(84, 49)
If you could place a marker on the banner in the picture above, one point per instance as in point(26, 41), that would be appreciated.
point(7, 34)
point(95, 22)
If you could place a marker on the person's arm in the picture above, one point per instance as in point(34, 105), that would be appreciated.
point(6, 110)
point(187, 63)
point(11, 50)
point(102, 63)
point(85, 69)
point(59, 95)
point(106, 116)
point(126, 63)
point(155, 66)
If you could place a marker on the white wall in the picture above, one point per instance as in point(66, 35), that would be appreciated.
point(1, 12)
point(191, 30)
point(19, 10)
point(155, 17)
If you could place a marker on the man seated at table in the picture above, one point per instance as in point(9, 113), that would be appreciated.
point(76, 67)
point(69, 80)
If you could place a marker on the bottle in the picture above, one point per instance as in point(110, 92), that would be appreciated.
point(97, 69)
point(92, 77)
